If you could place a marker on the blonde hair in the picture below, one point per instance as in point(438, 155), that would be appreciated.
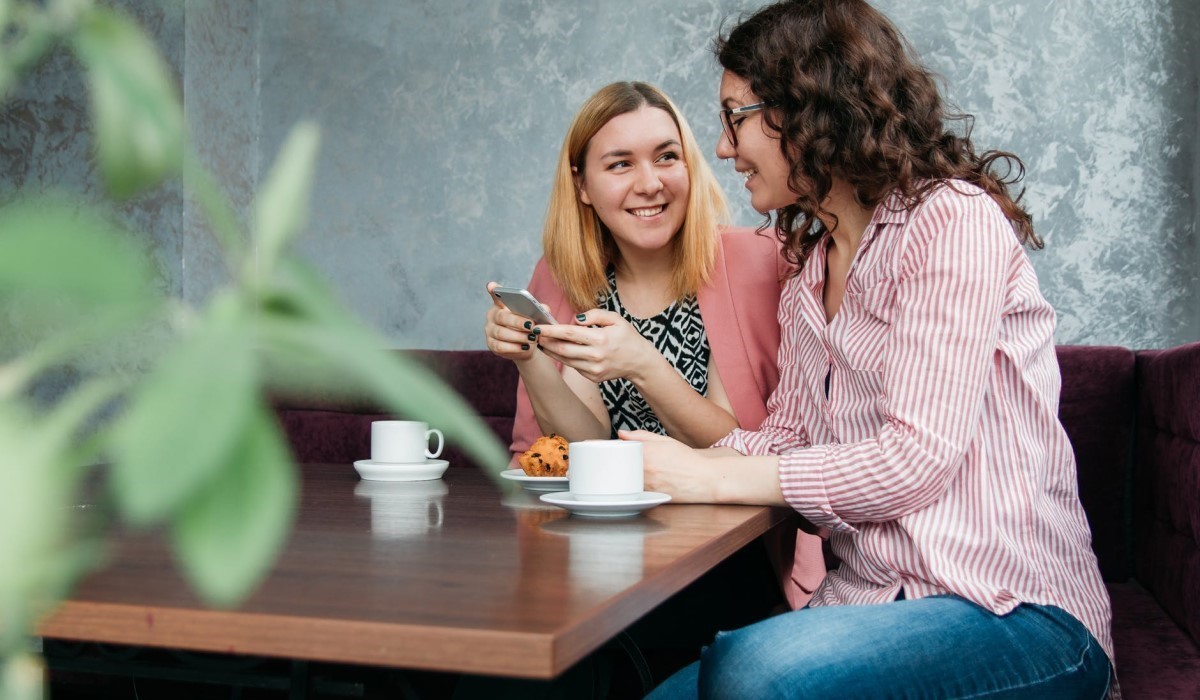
point(577, 246)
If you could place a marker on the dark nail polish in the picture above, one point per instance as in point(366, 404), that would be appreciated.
point(528, 325)
point(524, 346)
point(581, 317)
point(537, 331)
point(532, 336)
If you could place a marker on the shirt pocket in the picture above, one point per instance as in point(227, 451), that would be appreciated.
point(868, 319)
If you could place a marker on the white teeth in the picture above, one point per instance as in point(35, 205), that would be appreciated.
point(650, 211)
point(749, 173)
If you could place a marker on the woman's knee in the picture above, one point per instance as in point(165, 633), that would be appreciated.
point(742, 665)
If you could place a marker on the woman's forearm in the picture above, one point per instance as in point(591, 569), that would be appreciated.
point(685, 414)
point(749, 479)
point(556, 406)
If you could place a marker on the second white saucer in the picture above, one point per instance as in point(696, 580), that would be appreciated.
point(536, 483)
point(390, 471)
point(606, 509)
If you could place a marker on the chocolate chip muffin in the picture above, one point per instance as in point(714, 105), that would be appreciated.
point(547, 456)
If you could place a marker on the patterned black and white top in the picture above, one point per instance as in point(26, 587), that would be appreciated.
point(678, 333)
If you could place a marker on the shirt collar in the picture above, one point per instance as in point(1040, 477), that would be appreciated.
point(891, 210)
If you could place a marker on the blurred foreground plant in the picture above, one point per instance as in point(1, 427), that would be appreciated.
point(191, 444)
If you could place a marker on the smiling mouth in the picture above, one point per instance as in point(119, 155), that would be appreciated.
point(747, 174)
point(647, 212)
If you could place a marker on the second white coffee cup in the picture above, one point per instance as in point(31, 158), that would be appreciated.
point(605, 470)
point(403, 441)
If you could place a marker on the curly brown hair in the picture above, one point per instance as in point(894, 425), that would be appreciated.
point(851, 100)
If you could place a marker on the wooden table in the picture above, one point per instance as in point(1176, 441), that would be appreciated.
point(457, 574)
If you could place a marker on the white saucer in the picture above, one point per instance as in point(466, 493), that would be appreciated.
point(536, 483)
point(391, 471)
point(606, 509)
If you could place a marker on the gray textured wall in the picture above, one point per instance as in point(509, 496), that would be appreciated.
point(221, 103)
point(441, 122)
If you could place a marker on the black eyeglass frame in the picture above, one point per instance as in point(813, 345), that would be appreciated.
point(727, 119)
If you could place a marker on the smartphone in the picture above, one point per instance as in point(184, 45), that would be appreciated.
point(522, 303)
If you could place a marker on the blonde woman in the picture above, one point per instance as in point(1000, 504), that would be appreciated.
point(667, 320)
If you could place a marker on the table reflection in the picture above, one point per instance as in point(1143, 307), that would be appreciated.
point(605, 555)
point(401, 509)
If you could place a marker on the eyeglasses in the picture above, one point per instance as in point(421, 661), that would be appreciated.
point(730, 126)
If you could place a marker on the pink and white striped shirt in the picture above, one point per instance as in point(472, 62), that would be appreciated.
point(937, 461)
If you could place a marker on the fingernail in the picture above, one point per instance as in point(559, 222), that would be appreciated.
point(537, 331)
point(524, 346)
point(581, 317)
point(532, 336)
point(528, 325)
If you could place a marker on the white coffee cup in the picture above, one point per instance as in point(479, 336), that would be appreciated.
point(605, 470)
point(403, 441)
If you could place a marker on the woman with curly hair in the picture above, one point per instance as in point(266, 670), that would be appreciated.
point(915, 417)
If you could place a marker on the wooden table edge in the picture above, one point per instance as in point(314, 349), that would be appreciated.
point(362, 642)
point(540, 655)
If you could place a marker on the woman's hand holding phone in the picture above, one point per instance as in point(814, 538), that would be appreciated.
point(511, 335)
point(601, 345)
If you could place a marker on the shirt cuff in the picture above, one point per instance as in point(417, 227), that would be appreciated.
point(748, 442)
point(801, 478)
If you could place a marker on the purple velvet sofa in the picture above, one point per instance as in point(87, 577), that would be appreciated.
point(1133, 419)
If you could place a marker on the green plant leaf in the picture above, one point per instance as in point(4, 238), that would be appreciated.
point(186, 417)
point(88, 339)
point(58, 249)
point(21, 677)
point(38, 559)
point(70, 281)
point(135, 106)
point(303, 327)
point(228, 536)
point(223, 223)
point(58, 431)
point(31, 495)
point(296, 290)
point(36, 477)
point(282, 207)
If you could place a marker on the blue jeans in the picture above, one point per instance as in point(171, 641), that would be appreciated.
point(936, 647)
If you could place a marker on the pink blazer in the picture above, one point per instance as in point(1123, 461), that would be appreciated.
point(739, 306)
